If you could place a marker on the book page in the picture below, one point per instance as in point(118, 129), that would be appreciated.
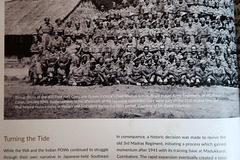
point(119, 80)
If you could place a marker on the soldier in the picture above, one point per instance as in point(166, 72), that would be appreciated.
point(75, 75)
point(35, 70)
point(146, 54)
point(122, 76)
point(59, 28)
point(73, 49)
point(162, 73)
point(68, 30)
point(51, 59)
point(88, 70)
point(135, 74)
point(218, 76)
point(191, 73)
point(35, 46)
point(56, 41)
point(202, 74)
point(177, 74)
point(77, 32)
point(108, 73)
point(45, 30)
point(63, 64)
point(148, 72)
point(232, 76)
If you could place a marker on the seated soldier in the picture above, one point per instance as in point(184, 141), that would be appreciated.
point(135, 74)
point(75, 75)
point(202, 73)
point(148, 72)
point(232, 76)
point(162, 73)
point(51, 59)
point(177, 74)
point(89, 74)
point(108, 73)
point(63, 63)
point(191, 73)
point(218, 76)
point(122, 77)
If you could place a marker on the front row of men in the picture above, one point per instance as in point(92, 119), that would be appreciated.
point(61, 68)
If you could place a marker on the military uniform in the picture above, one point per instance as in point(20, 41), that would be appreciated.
point(46, 31)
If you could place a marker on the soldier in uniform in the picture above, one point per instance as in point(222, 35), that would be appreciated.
point(59, 27)
point(148, 72)
point(218, 76)
point(191, 73)
point(45, 30)
point(68, 30)
point(122, 76)
point(51, 59)
point(108, 73)
point(63, 64)
point(202, 74)
point(135, 74)
point(162, 73)
point(77, 32)
point(177, 74)
point(56, 41)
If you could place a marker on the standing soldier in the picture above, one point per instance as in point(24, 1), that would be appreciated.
point(68, 30)
point(45, 30)
point(59, 28)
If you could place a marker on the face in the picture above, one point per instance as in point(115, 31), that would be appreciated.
point(146, 49)
point(217, 50)
point(108, 63)
point(142, 40)
point(56, 35)
point(101, 61)
point(59, 22)
point(47, 20)
point(102, 8)
point(155, 58)
point(77, 26)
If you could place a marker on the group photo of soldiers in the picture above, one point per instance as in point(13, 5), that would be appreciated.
point(142, 42)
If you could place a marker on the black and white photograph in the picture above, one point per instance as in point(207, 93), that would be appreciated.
point(120, 59)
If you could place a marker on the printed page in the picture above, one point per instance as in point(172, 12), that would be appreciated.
point(131, 79)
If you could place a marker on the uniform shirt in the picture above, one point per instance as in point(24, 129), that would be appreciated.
point(46, 28)
point(219, 72)
point(68, 31)
point(56, 43)
point(148, 69)
point(64, 57)
point(202, 73)
point(77, 33)
point(136, 71)
point(59, 29)
point(121, 72)
point(51, 59)
point(108, 71)
point(163, 72)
